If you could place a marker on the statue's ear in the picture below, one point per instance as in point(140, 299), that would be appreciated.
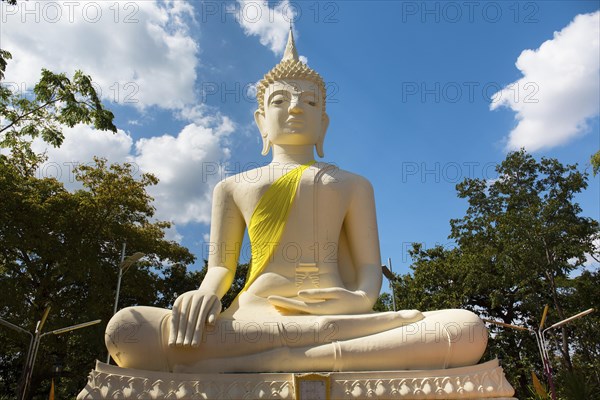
point(259, 118)
point(319, 144)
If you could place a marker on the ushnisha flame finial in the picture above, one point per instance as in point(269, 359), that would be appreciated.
point(290, 67)
point(290, 52)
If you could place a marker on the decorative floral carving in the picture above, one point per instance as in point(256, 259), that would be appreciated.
point(485, 381)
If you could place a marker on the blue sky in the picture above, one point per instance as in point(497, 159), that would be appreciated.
point(421, 94)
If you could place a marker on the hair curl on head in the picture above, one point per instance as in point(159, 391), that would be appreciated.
point(289, 69)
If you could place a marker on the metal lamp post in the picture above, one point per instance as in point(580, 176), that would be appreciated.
point(545, 349)
point(538, 341)
point(124, 265)
point(387, 272)
point(25, 372)
point(34, 344)
point(541, 340)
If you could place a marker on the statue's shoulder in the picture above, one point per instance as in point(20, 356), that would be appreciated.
point(243, 181)
point(332, 173)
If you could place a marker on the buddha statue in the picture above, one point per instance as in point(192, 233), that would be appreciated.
point(315, 272)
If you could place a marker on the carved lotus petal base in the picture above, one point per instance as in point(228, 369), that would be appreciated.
point(482, 381)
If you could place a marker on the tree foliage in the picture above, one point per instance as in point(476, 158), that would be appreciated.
point(61, 249)
point(55, 102)
point(518, 247)
point(4, 56)
point(595, 161)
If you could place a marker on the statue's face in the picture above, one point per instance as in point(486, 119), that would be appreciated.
point(293, 113)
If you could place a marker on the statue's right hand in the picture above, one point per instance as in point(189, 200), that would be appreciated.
point(191, 311)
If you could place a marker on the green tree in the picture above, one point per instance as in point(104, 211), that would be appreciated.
point(4, 56)
point(61, 249)
point(595, 161)
point(581, 293)
point(383, 303)
point(56, 101)
point(526, 225)
point(517, 246)
point(438, 281)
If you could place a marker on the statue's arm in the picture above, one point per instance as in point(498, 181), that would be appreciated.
point(363, 240)
point(192, 310)
point(226, 236)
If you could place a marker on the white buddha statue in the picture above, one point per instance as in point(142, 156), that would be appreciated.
point(315, 272)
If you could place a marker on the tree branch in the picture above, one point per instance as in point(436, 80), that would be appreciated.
point(29, 113)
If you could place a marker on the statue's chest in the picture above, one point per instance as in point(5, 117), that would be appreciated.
point(323, 189)
point(319, 201)
point(316, 195)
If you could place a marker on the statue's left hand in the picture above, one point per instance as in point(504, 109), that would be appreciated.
point(329, 301)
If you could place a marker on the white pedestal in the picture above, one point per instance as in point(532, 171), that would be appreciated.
point(482, 381)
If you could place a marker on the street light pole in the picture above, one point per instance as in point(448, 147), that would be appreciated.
point(541, 340)
point(35, 344)
point(119, 278)
point(387, 272)
point(392, 285)
point(32, 353)
point(39, 337)
point(124, 265)
point(538, 341)
point(542, 333)
point(31, 339)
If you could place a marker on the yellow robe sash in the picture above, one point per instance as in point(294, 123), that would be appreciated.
point(269, 219)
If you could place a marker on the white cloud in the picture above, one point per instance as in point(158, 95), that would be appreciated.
point(271, 25)
point(139, 53)
point(188, 164)
point(252, 90)
point(560, 88)
point(173, 235)
point(590, 261)
point(80, 146)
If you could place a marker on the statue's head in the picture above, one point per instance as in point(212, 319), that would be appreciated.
point(291, 90)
